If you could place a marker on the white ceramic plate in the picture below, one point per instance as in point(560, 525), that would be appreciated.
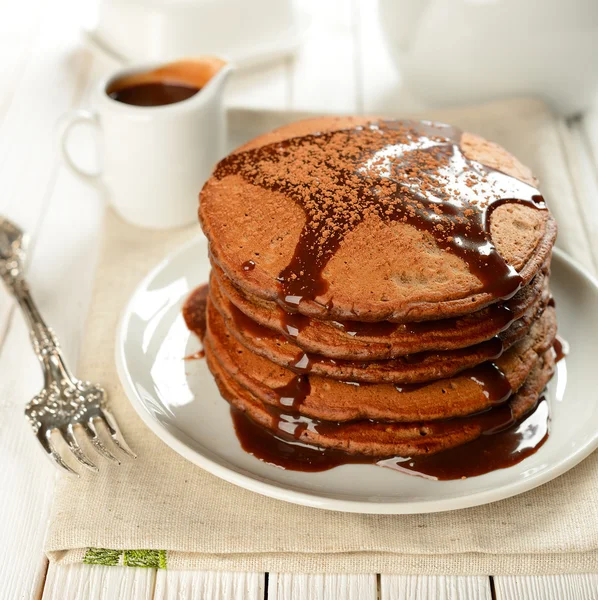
point(180, 402)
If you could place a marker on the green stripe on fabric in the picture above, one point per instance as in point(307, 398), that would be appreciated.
point(102, 556)
point(153, 559)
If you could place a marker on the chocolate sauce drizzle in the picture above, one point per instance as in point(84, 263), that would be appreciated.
point(293, 394)
point(399, 170)
point(488, 375)
point(364, 329)
point(291, 422)
point(304, 362)
point(497, 315)
point(494, 383)
point(293, 323)
point(504, 442)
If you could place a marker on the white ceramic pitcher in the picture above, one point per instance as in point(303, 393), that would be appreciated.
point(155, 160)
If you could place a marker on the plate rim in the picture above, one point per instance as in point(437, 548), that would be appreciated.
point(313, 499)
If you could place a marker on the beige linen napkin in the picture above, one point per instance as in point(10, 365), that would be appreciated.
point(161, 510)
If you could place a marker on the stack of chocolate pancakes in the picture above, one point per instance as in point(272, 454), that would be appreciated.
point(378, 288)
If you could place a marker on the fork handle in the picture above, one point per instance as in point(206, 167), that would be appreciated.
point(43, 339)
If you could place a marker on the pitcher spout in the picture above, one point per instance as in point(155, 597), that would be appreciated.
point(205, 73)
point(220, 72)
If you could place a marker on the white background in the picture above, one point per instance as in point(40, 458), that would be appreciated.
point(45, 70)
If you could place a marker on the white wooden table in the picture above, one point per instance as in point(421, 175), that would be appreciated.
point(45, 70)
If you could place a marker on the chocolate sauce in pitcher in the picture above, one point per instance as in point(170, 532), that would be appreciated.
point(153, 94)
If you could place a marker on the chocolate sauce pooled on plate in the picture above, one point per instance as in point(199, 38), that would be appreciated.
point(504, 443)
point(491, 451)
point(194, 313)
point(407, 171)
point(290, 455)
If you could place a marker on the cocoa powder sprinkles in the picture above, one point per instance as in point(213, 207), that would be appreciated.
point(414, 172)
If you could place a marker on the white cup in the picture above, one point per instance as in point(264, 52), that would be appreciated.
point(154, 160)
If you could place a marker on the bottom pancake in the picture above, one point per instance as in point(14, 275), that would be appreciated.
point(385, 439)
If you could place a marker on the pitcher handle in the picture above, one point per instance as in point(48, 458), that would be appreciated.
point(66, 125)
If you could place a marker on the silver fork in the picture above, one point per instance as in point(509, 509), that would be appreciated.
point(67, 410)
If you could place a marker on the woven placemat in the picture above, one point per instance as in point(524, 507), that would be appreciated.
point(162, 511)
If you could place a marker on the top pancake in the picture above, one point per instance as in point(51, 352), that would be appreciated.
point(275, 192)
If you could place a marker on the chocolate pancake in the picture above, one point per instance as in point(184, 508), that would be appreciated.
point(376, 220)
point(353, 340)
point(472, 391)
point(422, 367)
point(385, 439)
